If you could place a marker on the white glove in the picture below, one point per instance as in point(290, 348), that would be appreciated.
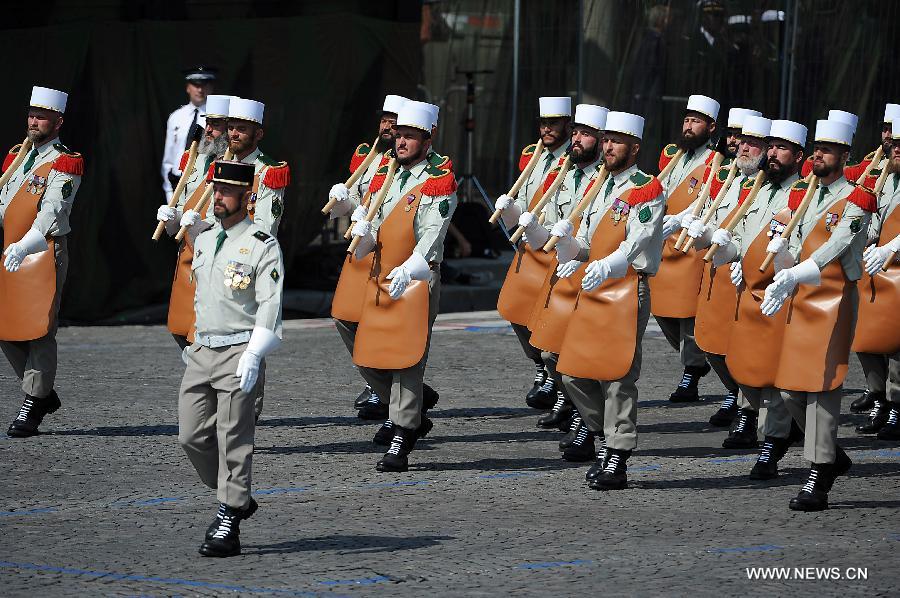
point(184, 354)
point(688, 219)
point(894, 244)
point(262, 342)
point(612, 266)
point(567, 247)
point(737, 274)
point(721, 237)
point(509, 210)
point(875, 257)
point(670, 225)
point(537, 234)
point(784, 283)
point(165, 213)
point(567, 269)
point(358, 214)
point(195, 224)
point(771, 302)
point(363, 230)
point(31, 242)
point(341, 195)
point(697, 229)
point(414, 268)
point(783, 258)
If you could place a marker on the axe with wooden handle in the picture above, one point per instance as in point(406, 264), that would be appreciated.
point(195, 134)
point(796, 218)
point(376, 203)
point(523, 176)
point(585, 202)
point(714, 206)
point(360, 170)
point(546, 197)
point(741, 212)
point(204, 200)
point(17, 161)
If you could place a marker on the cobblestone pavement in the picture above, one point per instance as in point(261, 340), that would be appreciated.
point(105, 502)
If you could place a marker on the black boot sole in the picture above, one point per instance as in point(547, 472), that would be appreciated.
point(796, 505)
point(724, 420)
point(381, 467)
point(209, 551)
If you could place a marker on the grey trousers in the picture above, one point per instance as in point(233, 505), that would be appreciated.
point(216, 423)
point(404, 387)
point(680, 334)
point(817, 413)
point(718, 364)
point(610, 407)
point(524, 336)
point(774, 417)
point(894, 379)
point(550, 360)
point(875, 368)
point(35, 362)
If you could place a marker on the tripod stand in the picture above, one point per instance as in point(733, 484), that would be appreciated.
point(469, 125)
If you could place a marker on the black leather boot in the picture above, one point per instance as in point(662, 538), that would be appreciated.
point(686, 390)
point(813, 496)
point(878, 417)
point(766, 467)
point(248, 512)
point(225, 540)
point(582, 449)
point(743, 431)
point(600, 460)
point(31, 414)
point(395, 459)
point(363, 397)
point(560, 414)
point(543, 394)
point(891, 429)
point(726, 413)
point(374, 408)
point(614, 475)
point(574, 425)
point(866, 401)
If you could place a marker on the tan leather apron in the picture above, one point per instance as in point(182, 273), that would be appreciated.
point(26, 296)
point(716, 306)
point(392, 335)
point(820, 321)
point(527, 273)
point(601, 336)
point(674, 289)
point(754, 345)
point(350, 292)
point(878, 323)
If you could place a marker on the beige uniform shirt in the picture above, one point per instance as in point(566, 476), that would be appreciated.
point(195, 179)
point(269, 202)
point(569, 194)
point(770, 200)
point(683, 168)
point(358, 191)
point(887, 203)
point(546, 162)
point(432, 217)
point(59, 195)
point(643, 224)
point(251, 264)
point(848, 237)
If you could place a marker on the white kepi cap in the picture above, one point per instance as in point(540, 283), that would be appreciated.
point(832, 131)
point(393, 103)
point(736, 116)
point(703, 105)
point(789, 131)
point(591, 116)
point(244, 109)
point(842, 116)
point(891, 113)
point(217, 106)
point(756, 126)
point(417, 115)
point(51, 99)
point(554, 107)
point(434, 110)
point(624, 122)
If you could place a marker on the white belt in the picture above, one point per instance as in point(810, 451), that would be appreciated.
point(213, 341)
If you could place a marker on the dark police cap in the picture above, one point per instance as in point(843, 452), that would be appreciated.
point(200, 73)
point(233, 173)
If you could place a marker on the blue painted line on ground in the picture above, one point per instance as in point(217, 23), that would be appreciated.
point(495, 329)
point(721, 460)
point(367, 581)
point(38, 511)
point(270, 491)
point(738, 549)
point(397, 484)
point(512, 474)
point(879, 453)
point(112, 575)
point(551, 564)
point(892, 537)
point(644, 468)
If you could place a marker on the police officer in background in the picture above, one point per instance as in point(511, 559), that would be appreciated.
point(199, 84)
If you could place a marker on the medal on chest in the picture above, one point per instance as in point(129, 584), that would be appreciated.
point(776, 227)
point(619, 211)
point(251, 205)
point(409, 201)
point(831, 220)
point(237, 275)
point(37, 184)
point(692, 185)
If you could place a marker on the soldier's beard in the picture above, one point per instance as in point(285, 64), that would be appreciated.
point(581, 155)
point(37, 137)
point(411, 158)
point(383, 145)
point(215, 146)
point(616, 163)
point(692, 142)
point(748, 165)
point(824, 170)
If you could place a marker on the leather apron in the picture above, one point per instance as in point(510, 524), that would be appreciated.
point(716, 307)
point(878, 323)
point(350, 292)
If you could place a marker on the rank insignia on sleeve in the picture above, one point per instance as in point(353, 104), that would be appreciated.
point(277, 207)
point(855, 225)
point(67, 189)
point(261, 236)
point(444, 208)
point(274, 274)
point(644, 215)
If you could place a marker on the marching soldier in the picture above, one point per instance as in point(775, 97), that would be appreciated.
point(41, 177)
point(556, 297)
point(736, 118)
point(199, 83)
point(876, 338)
point(827, 248)
point(390, 344)
point(529, 266)
point(213, 146)
point(348, 302)
point(245, 130)
point(875, 367)
point(676, 285)
point(238, 324)
point(621, 237)
point(753, 369)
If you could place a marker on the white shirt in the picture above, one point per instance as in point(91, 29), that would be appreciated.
point(177, 127)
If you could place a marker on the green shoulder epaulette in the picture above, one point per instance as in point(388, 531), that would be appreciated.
point(266, 160)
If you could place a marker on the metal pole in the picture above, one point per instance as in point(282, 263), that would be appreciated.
point(793, 47)
point(782, 96)
point(513, 146)
point(580, 38)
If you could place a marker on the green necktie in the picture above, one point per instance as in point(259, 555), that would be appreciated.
point(219, 241)
point(548, 162)
point(775, 189)
point(209, 160)
point(30, 161)
point(404, 176)
point(822, 193)
point(578, 176)
point(688, 156)
point(609, 188)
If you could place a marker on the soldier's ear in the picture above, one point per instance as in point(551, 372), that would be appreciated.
point(260, 133)
point(59, 123)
